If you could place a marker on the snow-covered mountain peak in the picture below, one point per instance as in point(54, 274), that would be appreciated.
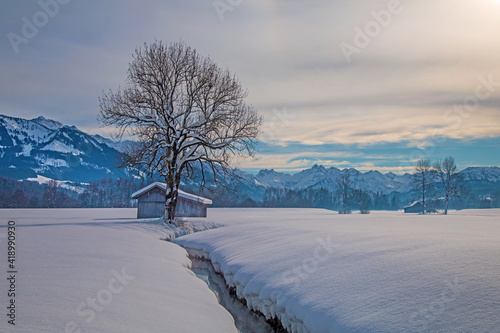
point(352, 171)
point(48, 123)
point(318, 167)
point(272, 178)
point(482, 173)
point(121, 146)
point(265, 172)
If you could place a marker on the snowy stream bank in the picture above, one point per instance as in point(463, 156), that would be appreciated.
point(246, 320)
point(185, 227)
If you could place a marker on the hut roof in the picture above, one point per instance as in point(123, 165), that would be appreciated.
point(182, 194)
point(413, 204)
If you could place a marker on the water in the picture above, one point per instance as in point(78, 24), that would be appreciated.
point(246, 321)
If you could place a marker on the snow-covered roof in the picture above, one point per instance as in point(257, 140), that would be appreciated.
point(414, 204)
point(182, 194)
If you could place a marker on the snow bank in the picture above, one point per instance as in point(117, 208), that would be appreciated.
point(102, 270)
point(318, 271)
point(180, 228)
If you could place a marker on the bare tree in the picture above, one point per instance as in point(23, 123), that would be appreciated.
point(344, 193)
point(423, 180)
point(49, 197)
point(185, 112)
point(451, 181)
point(362, 200)
point(19, 199)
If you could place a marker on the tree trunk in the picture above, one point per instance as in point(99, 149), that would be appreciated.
point(423, 201)
point(446, 206)
point(170, 203)
point(171, 193)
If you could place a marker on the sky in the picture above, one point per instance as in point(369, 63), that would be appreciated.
point(372, 85)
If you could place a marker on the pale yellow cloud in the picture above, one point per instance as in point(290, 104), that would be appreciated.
point(390, 124)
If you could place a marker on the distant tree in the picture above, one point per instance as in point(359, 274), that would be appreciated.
point(84, 199)
point(486, 202)
point(19, 199)
point(49, 197)
point(423, 180)
point(381, 201)
point(248, 202)
point(320, 198)
point(9, 187)
point(184, 111)
point(496, 198)
point(344, 193)
point(473, 200)
point(270, 198)
point(362, 200)
point(34, 202)
point(108, 193)
point(395, 202)
point(452, 183)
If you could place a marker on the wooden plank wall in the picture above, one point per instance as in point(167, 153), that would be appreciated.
point(152, 204)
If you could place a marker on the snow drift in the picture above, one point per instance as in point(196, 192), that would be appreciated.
point(317, 271)
point(103, 270)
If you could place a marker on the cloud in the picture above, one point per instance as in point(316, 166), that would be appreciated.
point(388, 125)
point(398, 157)
point(399, 89)
point(293, 162)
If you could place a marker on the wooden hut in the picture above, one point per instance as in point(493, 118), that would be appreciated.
point(415, 207)
point(151, 202)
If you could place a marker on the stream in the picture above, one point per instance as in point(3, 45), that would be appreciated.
point(246, 320)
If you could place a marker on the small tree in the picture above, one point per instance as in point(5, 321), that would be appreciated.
point(185, 112)
point(423, 180)
point(344, 193)
point(451, 181)
point(362, 200)
point(49, 197)
point(34, 202)
point(395, 202)
point(19, 199)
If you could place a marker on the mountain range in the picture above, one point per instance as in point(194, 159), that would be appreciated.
point(50, 149)
point(30, 148)
point(482, 180)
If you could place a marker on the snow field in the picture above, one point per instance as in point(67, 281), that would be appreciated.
point(102, 270)
point(318, 271)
